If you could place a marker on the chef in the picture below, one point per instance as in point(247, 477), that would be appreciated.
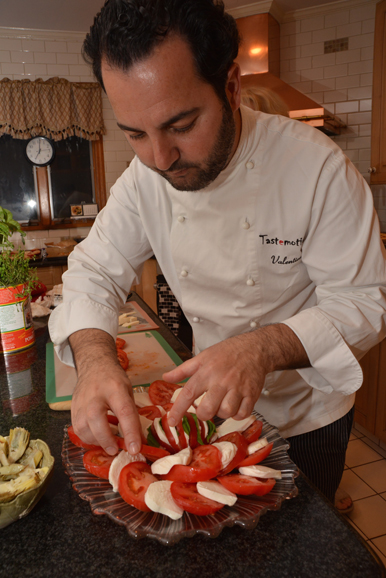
point(263, 229)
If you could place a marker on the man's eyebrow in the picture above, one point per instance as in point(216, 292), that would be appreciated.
point(165, 124)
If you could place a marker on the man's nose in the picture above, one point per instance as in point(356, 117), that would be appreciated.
point(165, 154)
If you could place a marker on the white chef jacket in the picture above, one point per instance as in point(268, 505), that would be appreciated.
point(286, 233)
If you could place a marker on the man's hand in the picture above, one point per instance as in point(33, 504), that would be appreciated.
point(233, 372)
point(102, 385)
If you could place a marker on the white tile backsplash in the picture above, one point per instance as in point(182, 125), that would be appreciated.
point(342, 81)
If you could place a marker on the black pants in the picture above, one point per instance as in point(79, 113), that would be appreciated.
point(320, 454)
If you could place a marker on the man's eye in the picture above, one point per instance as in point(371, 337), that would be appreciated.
point(186, 128)
point(136, 136)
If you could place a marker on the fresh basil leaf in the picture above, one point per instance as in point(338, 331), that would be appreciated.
point(211, 429)
point(151, 441)
point(186, 425)
point(199, 439)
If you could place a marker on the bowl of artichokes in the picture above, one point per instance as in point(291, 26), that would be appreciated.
point(25, 469)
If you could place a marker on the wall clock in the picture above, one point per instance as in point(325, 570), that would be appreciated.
point(40, 151)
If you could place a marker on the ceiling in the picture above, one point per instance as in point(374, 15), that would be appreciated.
point(77, 15)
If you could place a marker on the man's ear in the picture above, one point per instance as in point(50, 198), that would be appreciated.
point(233, 86)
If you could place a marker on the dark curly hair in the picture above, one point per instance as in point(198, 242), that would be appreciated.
point(127, 31)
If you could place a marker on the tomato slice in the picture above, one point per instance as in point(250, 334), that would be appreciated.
point(167, 406)
point(168, 433)
point(182, 441)
point(205, 465)
point(242, 449)
point(123, 359)
point(161, 442)
point(78, 442)
point(152, 454)
point(150, 411)
point(120, 343)
point(112, 419)
point(161, 392)
point(187, 497)
point(257, 457)
point(134, 480)
point(246, 485)
point(252, 433)
point(193, 442)
point(98, 463)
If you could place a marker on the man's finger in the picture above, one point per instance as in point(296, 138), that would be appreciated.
point(129, 423)
point(100, 429)
point(186, 369)
point(190, 392)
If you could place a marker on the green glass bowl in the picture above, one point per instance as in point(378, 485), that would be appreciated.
point(23, 503)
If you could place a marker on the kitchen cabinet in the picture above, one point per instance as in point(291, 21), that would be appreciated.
point(378, 126)
point(146, 288)
point(370, 402)
point(51, 275)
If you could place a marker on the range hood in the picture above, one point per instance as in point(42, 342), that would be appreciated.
point(259, 60)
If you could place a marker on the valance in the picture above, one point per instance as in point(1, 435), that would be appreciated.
point(55, 108)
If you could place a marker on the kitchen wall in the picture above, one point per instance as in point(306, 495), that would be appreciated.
point(45, 54)
point(341, 81)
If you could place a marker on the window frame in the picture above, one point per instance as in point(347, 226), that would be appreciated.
point(43, 193)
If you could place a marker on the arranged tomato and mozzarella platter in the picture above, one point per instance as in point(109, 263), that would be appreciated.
point(196, 477)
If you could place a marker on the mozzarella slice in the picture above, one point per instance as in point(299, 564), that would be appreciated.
point(215, 491)
point(158, 498)
point(260, 472)
point(257, 445)
point(145, 423)
point(119, 462)
point(231, 425)
point(159, 431)
point(176, 393)
point(199, 399)
point(228, 452)
point(142, 399)
point(164, 465)
point(161, 409)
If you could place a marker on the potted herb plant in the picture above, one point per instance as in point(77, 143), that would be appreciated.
point(17, 281)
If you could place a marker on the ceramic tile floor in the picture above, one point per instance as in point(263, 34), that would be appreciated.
point(364, 478)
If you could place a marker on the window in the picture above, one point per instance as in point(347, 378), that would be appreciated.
point(17, 181)
point(40, 198)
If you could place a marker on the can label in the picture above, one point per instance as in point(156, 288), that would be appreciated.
point(16, 324)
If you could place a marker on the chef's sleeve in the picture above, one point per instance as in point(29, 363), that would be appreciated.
point(101, 271)
point(345, 258)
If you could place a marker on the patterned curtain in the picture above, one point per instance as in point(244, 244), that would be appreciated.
point(55, 108)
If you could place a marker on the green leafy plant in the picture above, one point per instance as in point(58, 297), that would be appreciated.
point(14, 267)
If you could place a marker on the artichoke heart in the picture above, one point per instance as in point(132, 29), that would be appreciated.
point(27, 480)
point(32, 456)
point(3, 451)
point(10, 472)
point(18, 442)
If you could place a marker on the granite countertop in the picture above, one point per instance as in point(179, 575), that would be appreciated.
point(306, 538)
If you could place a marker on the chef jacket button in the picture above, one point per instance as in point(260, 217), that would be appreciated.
point(250, 282)
point(250, 165)
point(181, 219)
point(265, 392)
point(246, 225)
point(184, 273)
point(196, 319)
point(253, 324)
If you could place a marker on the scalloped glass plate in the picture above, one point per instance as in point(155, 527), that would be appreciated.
point(245, 513)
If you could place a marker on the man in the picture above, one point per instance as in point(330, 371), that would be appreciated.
point(263, 229)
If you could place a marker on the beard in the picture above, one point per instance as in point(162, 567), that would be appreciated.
point(201, 175)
